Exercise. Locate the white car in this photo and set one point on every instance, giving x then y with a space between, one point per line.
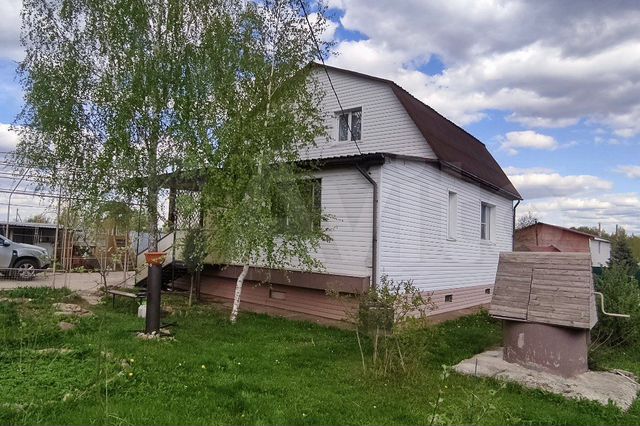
20 260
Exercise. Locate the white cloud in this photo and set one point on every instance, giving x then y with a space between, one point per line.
632 172
534 184
608 210
10 30
337 4
330 27
513 141
511 170
8 138
548 63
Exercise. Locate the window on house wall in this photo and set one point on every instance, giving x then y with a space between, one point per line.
487 220
452 216
309 213
311 191
350 120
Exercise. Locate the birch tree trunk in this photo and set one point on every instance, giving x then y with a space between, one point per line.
245 268
236 296
152 194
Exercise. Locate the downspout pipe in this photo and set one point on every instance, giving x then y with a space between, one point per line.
513 230
374 228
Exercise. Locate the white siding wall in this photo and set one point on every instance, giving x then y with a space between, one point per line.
413 240
346 195
600 252
386 127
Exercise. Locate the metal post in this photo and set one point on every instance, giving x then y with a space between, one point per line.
9 203
154 284
55 244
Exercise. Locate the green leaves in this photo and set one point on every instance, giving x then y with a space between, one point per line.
258 208
120 92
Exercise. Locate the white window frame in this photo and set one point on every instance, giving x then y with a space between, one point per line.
349 114
487 228
452 216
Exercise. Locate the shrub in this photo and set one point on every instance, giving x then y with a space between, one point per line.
388 315
621 295
194 253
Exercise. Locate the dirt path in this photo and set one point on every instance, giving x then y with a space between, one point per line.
87 284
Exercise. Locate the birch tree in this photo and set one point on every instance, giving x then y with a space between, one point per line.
261 205
119 92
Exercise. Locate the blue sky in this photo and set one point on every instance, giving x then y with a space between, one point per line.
552 88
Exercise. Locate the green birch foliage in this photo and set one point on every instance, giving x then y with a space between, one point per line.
258 202
118 92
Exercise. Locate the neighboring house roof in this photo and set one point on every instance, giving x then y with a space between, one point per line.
584 234
30 225
454 147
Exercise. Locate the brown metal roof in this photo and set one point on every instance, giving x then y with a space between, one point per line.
547 288
454 147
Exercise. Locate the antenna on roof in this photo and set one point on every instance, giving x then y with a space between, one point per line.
317 45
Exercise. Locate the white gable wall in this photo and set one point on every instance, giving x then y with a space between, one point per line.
386 127
600 252
413 241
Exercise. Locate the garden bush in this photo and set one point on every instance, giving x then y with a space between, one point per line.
621 295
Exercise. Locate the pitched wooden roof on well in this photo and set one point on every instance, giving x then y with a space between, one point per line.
549 288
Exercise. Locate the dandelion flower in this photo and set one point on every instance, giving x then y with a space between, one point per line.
131 360
130 374
203 366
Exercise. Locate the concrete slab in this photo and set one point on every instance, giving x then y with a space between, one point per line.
600 386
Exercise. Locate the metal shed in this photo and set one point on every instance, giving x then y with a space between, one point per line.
548 306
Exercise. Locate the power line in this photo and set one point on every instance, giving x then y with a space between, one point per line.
34 206
317 45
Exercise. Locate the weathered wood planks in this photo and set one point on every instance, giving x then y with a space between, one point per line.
545 287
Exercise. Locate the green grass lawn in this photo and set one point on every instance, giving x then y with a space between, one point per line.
262 370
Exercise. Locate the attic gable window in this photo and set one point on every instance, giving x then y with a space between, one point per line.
350 120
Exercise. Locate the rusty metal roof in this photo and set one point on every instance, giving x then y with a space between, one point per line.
562 228
547 288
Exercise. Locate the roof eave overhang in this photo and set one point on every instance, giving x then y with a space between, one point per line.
470 176
367 160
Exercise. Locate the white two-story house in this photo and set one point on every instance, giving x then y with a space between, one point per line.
412 196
